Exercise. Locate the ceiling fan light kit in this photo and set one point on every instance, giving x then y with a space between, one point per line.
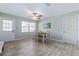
36 16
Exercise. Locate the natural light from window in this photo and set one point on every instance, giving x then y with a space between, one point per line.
7 25
24 26
31 27
27 26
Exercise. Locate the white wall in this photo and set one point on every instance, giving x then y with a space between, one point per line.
7 36
64 27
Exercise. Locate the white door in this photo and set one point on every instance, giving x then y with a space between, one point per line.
78 29
7 30
69 29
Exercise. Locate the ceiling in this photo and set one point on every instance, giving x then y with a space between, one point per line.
47 10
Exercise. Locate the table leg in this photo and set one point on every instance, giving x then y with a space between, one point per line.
43 39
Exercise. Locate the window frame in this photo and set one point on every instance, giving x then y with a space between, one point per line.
24 26
7 25
31 27
28 27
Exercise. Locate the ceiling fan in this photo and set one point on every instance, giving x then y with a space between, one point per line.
37 16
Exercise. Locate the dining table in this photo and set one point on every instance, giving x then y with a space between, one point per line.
42 36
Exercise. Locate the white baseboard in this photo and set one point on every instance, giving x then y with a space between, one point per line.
64 41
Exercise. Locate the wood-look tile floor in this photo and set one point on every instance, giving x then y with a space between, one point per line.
30 47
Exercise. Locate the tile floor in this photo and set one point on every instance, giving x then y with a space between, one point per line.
30 47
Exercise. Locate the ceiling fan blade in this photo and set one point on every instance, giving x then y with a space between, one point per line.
40 15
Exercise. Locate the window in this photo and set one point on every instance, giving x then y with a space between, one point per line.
7 25
27 27
31 27
24 26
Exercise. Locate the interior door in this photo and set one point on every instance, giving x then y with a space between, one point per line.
7 35
78 29
69 29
